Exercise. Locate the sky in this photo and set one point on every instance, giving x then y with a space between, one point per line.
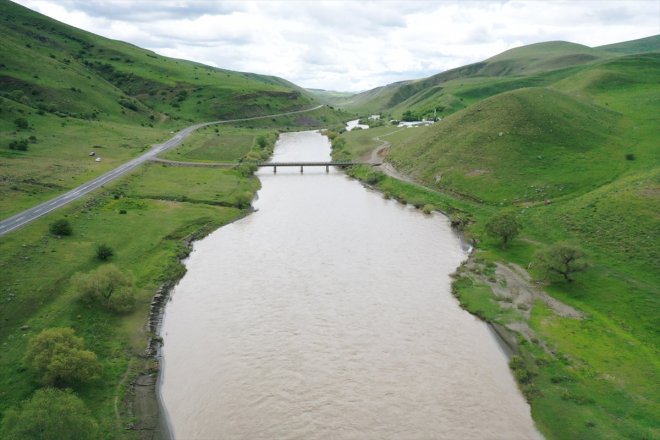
351 45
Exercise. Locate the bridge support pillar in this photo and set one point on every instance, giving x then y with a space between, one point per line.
301 169
327 168
274 170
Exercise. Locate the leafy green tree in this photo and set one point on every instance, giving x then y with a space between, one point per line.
107 286
561 259
58 357
503 225
50 414
104 252
60 227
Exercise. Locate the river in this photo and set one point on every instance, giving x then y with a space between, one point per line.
327 314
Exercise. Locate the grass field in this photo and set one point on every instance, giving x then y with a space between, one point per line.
37 293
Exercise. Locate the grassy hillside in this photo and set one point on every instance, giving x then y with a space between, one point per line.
576 160
534 65
78 92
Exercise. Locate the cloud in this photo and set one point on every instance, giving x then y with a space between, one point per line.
351 45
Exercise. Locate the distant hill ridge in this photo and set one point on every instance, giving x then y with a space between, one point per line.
534 64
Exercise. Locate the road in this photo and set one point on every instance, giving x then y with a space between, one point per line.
29 215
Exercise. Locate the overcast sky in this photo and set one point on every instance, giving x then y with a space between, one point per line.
351 45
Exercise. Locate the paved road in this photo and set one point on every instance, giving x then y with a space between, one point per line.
23 218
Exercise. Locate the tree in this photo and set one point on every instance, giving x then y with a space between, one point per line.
60 227
104 252
107 286
503 225
561 259
50 414
58 357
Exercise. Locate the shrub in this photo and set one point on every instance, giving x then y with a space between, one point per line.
374 177
50 414
108 287
243 200
58 358
60 227
246 169
104 252
19 144
427 209
21 123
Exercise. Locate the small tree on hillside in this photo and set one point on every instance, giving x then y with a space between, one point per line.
60 227
104 252
561 259
57 356
108 287
503 225
50 414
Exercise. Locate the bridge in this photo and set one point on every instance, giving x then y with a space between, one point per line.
327 165
301 164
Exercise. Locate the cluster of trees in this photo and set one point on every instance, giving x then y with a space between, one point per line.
559 261
58 359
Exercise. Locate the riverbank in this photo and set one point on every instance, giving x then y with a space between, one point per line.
148 410
566 366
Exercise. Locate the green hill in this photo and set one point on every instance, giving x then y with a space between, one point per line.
573 152
78 92
533 65
63 70
523 146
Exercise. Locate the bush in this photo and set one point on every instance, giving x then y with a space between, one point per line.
104 252
243 200
107 286
58 358
21 123
60 228
374 177
50 414
19 144
246 169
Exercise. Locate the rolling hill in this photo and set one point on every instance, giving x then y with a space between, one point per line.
533 65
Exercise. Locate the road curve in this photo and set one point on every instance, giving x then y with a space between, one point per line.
29 215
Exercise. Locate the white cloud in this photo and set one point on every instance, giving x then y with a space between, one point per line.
351 45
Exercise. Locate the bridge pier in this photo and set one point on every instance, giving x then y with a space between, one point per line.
327 169
274 170
301 169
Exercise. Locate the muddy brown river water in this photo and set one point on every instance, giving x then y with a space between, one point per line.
327 314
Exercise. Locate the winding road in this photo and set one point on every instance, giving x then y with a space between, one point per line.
29 215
